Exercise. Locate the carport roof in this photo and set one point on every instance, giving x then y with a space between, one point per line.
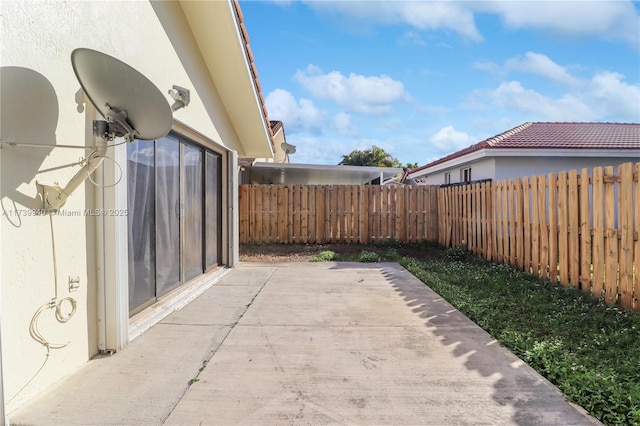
317 174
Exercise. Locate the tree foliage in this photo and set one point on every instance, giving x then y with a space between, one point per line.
375 156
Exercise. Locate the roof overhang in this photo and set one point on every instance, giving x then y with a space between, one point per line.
216 30
520 152
316 174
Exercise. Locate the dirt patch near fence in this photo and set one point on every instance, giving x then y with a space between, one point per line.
269 253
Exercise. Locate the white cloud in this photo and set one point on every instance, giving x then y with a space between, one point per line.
611 20
358 93
613 97
537 63
604 96
512 95
422 15
296 115
342 123
316 149
448 139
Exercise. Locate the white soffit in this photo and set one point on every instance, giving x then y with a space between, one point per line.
215 28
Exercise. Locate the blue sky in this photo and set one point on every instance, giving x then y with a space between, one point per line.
422 79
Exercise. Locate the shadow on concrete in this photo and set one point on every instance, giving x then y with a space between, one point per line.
517 384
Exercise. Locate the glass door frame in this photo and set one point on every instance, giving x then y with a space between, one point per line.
221 193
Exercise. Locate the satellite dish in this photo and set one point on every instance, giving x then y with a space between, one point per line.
288 148
132 106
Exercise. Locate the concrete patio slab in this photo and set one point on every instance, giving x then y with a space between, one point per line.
310 343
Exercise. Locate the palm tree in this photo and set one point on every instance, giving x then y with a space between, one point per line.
375 156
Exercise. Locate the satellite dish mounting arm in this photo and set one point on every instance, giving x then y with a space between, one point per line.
54 197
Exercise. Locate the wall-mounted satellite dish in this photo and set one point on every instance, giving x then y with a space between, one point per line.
133 107
288 148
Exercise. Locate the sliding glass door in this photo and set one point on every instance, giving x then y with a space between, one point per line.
213 216
175 216
141 222
168 212
193 211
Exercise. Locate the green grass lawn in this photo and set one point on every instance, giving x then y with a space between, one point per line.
589 350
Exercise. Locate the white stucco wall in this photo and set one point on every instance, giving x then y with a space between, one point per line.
507 167
480 169
517 167
40 105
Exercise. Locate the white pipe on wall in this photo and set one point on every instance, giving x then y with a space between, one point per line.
100 261
2 414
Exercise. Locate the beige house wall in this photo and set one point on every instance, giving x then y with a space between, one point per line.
42 104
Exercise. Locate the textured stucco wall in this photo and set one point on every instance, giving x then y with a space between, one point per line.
498 168
480 169
515 167
40 104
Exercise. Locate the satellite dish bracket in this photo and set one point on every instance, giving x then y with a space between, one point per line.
116 125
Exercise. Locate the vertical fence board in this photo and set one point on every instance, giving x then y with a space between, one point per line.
553 227
585 233
258 209
535 227
469 215
431 210
625 223
573 222
519 225
362 215
478 217
448 229
511 193
611 242
319 218
544 229
455 217
243 203
424 207
413 214
563 230
373 214
505 222
489 187
636 264
598 232
304 214
527 224
273 214
348 217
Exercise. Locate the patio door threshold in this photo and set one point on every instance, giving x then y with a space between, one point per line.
173 301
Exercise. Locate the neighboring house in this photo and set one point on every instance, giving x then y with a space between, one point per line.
279 170
318 174
161 221
535 149
282 149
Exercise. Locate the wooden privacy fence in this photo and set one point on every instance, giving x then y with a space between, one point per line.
580 229
337 213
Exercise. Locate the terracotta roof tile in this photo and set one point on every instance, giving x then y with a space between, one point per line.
275 126
252 66
556 136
